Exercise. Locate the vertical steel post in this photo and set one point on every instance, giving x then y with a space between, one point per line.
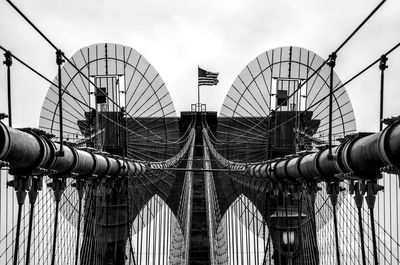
8 63
382 67
60 61
331 64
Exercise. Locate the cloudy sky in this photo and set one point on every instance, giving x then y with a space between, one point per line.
221 36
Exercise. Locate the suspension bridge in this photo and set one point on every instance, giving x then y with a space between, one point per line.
112 175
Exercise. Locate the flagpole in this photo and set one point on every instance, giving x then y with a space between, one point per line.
198 95
198 90
207 79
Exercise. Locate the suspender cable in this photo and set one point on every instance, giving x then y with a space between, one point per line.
333 191
285 202
80 189
336 234
279 241
265 253
375 248
33 193
148 215
372 191
358 198
53 256
109 254
360 224
8 63
128 226
382 67
19 183
28 250
256 234
16 248
58 187
264 223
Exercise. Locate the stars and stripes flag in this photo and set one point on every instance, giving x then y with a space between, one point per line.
207 78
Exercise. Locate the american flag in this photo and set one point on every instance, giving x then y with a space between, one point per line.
207 78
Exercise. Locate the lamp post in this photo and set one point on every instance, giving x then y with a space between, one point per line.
286 235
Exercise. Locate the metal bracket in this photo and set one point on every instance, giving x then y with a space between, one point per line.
38 132
391 120
332 60
359 191
35 184
74 175
296 191
346 176
21 185
383 63
304 152
3 116
80 185
4 164
8 58
312 190
58 185
372 189
391 170
90 150
333 189
43 172
59 57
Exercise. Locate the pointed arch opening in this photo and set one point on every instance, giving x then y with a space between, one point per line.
156 236
247 237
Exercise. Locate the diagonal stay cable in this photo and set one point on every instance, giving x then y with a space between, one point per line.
337 50
180 140
395 47
329 58
72 64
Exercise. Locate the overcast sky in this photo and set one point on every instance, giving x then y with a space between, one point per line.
221 36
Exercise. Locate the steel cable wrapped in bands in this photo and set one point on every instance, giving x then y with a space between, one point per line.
21 149
389 145
25 151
